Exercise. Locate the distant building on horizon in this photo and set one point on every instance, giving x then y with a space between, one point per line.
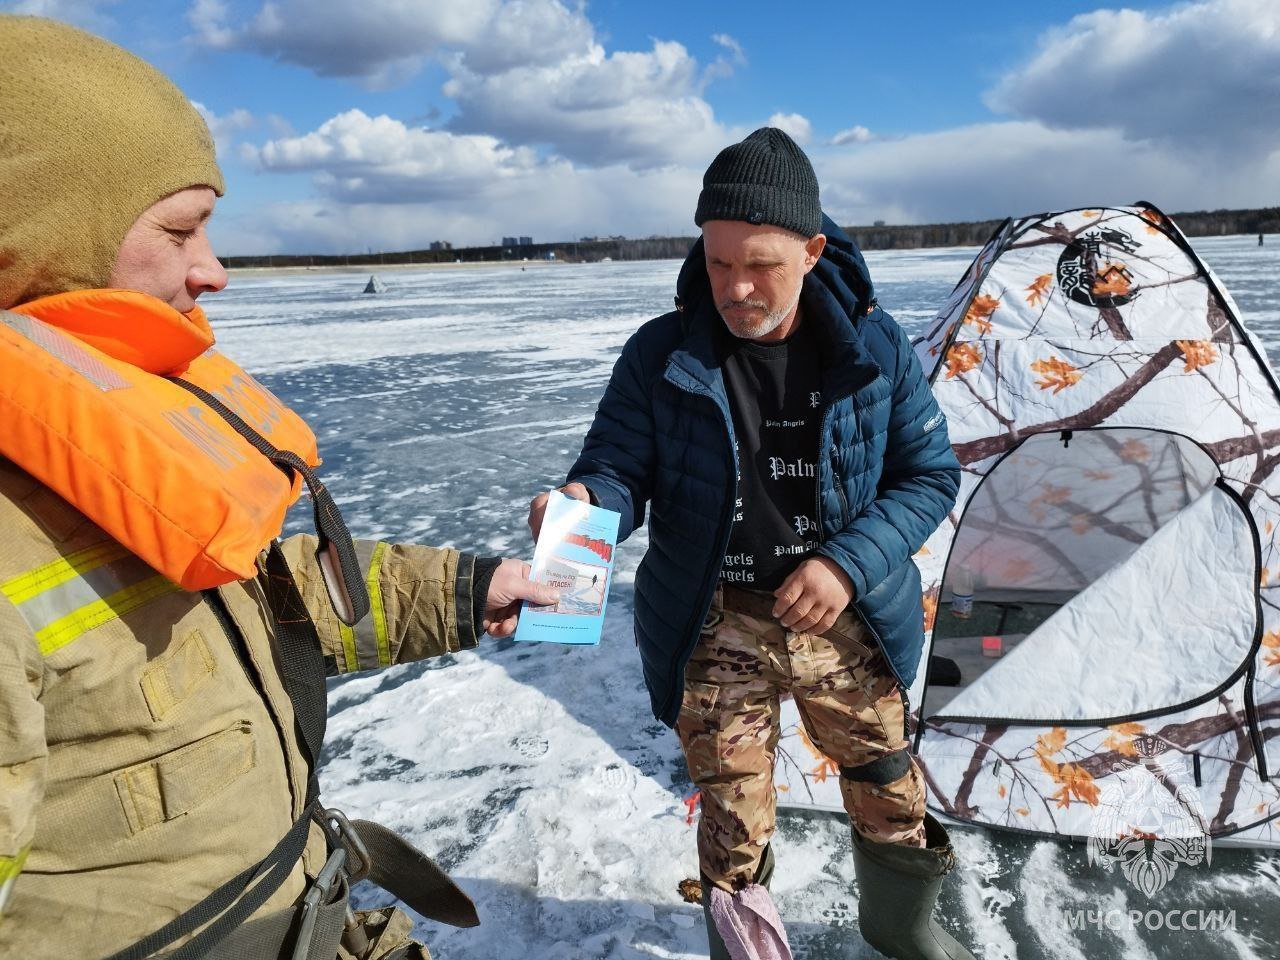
438 245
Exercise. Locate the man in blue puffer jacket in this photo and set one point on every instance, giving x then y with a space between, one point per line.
794 458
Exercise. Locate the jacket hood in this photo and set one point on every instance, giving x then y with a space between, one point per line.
841 270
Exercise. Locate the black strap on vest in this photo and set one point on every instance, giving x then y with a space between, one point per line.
301 661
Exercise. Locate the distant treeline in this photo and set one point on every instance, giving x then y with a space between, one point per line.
1197 224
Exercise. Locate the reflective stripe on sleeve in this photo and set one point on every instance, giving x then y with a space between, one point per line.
63 600
377 613
369 636
103 610
10 867
348 648
26 585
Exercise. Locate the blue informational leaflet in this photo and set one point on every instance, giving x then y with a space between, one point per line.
574 554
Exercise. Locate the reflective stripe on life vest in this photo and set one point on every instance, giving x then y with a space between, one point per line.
63 600
64 348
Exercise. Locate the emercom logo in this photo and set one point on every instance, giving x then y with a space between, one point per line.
1149 819
1150 920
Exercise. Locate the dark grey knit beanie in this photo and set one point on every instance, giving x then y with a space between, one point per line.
764 179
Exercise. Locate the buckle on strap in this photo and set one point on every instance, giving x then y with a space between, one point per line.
342 836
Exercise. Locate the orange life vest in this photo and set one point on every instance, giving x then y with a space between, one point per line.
86 409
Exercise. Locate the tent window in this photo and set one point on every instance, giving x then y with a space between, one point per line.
1071 548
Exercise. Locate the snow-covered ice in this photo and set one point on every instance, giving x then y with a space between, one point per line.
536 773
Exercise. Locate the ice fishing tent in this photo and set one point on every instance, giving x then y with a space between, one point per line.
1119 432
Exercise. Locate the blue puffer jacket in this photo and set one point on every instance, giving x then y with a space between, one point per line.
663 434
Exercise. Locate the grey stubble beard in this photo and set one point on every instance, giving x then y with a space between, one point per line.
767 324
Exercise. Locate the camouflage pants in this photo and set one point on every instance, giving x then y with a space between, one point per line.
851 708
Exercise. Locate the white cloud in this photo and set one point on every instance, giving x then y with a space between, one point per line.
733 46
225 127
529 72
854 134
733 59
553 201
727 63
796 126
528 33
384 183
1200 75
384 43
642 109
1179 106
208 18
356 158
379 42
1015 167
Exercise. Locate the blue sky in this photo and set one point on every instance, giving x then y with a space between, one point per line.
385 124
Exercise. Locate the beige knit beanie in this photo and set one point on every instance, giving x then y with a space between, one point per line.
90 137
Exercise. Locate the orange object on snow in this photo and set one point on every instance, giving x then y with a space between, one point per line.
88 411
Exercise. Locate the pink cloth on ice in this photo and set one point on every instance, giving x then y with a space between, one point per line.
749 924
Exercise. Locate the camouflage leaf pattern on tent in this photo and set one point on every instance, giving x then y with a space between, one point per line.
1119 431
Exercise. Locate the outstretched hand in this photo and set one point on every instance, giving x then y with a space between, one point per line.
538 507
816 593
510 585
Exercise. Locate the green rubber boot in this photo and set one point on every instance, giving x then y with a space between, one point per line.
764 875
897 888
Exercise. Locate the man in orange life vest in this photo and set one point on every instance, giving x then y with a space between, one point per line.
159 650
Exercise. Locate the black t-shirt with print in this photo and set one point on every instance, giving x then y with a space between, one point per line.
775 399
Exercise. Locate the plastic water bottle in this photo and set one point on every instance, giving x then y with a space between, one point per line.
962 593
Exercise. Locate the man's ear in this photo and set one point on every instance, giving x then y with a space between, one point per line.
813 248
